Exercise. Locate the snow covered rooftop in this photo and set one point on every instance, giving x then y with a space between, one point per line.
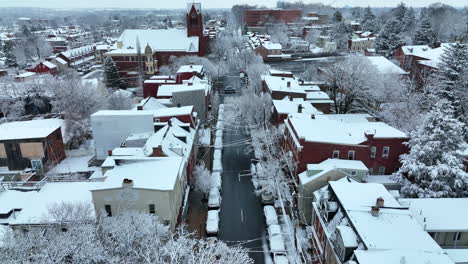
152 173
49 65
29 129
169 89
282 84
150 103
158 40
441 214
287 106
431 57
398 256
333 131
315 171
394 228
190 68
35 205
385 66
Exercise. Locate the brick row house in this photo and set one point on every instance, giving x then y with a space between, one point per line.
313 139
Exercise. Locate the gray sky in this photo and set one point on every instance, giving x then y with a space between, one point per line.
207 3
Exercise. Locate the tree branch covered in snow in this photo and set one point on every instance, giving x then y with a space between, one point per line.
201 180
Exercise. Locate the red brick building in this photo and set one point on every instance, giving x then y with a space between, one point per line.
44 68
260 17
158 46
352 137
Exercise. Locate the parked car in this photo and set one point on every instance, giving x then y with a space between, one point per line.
280 259
271 217
276 240
267 198
212 223
229 90
214 199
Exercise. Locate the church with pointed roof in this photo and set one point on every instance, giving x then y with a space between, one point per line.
146 50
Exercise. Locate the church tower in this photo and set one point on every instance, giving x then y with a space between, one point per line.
194 20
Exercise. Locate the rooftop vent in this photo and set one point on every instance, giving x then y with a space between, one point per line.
380 202
127 183
375 210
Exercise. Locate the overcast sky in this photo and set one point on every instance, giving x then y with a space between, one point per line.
206 3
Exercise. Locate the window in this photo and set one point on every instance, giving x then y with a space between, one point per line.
385 152
371 171
373 152
336 154
152 209
108 210
381 170
351 155
166 221
353 173
456 236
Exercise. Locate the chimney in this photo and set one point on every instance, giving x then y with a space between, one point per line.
299 108
375 210
290 98
140 107
282 78
380 202
109 152
127 183
312 116
169 122
191 66
178 105
302 81
289 84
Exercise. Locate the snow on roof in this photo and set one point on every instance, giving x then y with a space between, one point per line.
415 49
78 52
73 164
29 129
169 89
393 228
161 112
385 66
458 255
60 60
348 236
159 173
196 5
439 214
158 40
173 140
173 111
316 96
277 72
431 56
332 131
25 74
280 84
287 106
34 205
150 103
190 68
314 171
272 46
49 65
401 256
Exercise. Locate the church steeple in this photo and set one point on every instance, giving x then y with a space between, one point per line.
194 20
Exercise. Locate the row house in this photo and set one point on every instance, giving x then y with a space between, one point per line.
261 17
313 139
111 127
78 56
44 67
442 220
419 60
155 167
362 223
282 109
36 144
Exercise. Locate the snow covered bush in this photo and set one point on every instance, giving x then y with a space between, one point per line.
201 179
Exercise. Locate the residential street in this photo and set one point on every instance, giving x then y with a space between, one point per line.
241 217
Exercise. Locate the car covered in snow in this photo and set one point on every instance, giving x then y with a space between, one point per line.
214 199
212 223
280 259
271 217
275 238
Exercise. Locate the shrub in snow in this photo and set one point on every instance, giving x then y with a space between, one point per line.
201 179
